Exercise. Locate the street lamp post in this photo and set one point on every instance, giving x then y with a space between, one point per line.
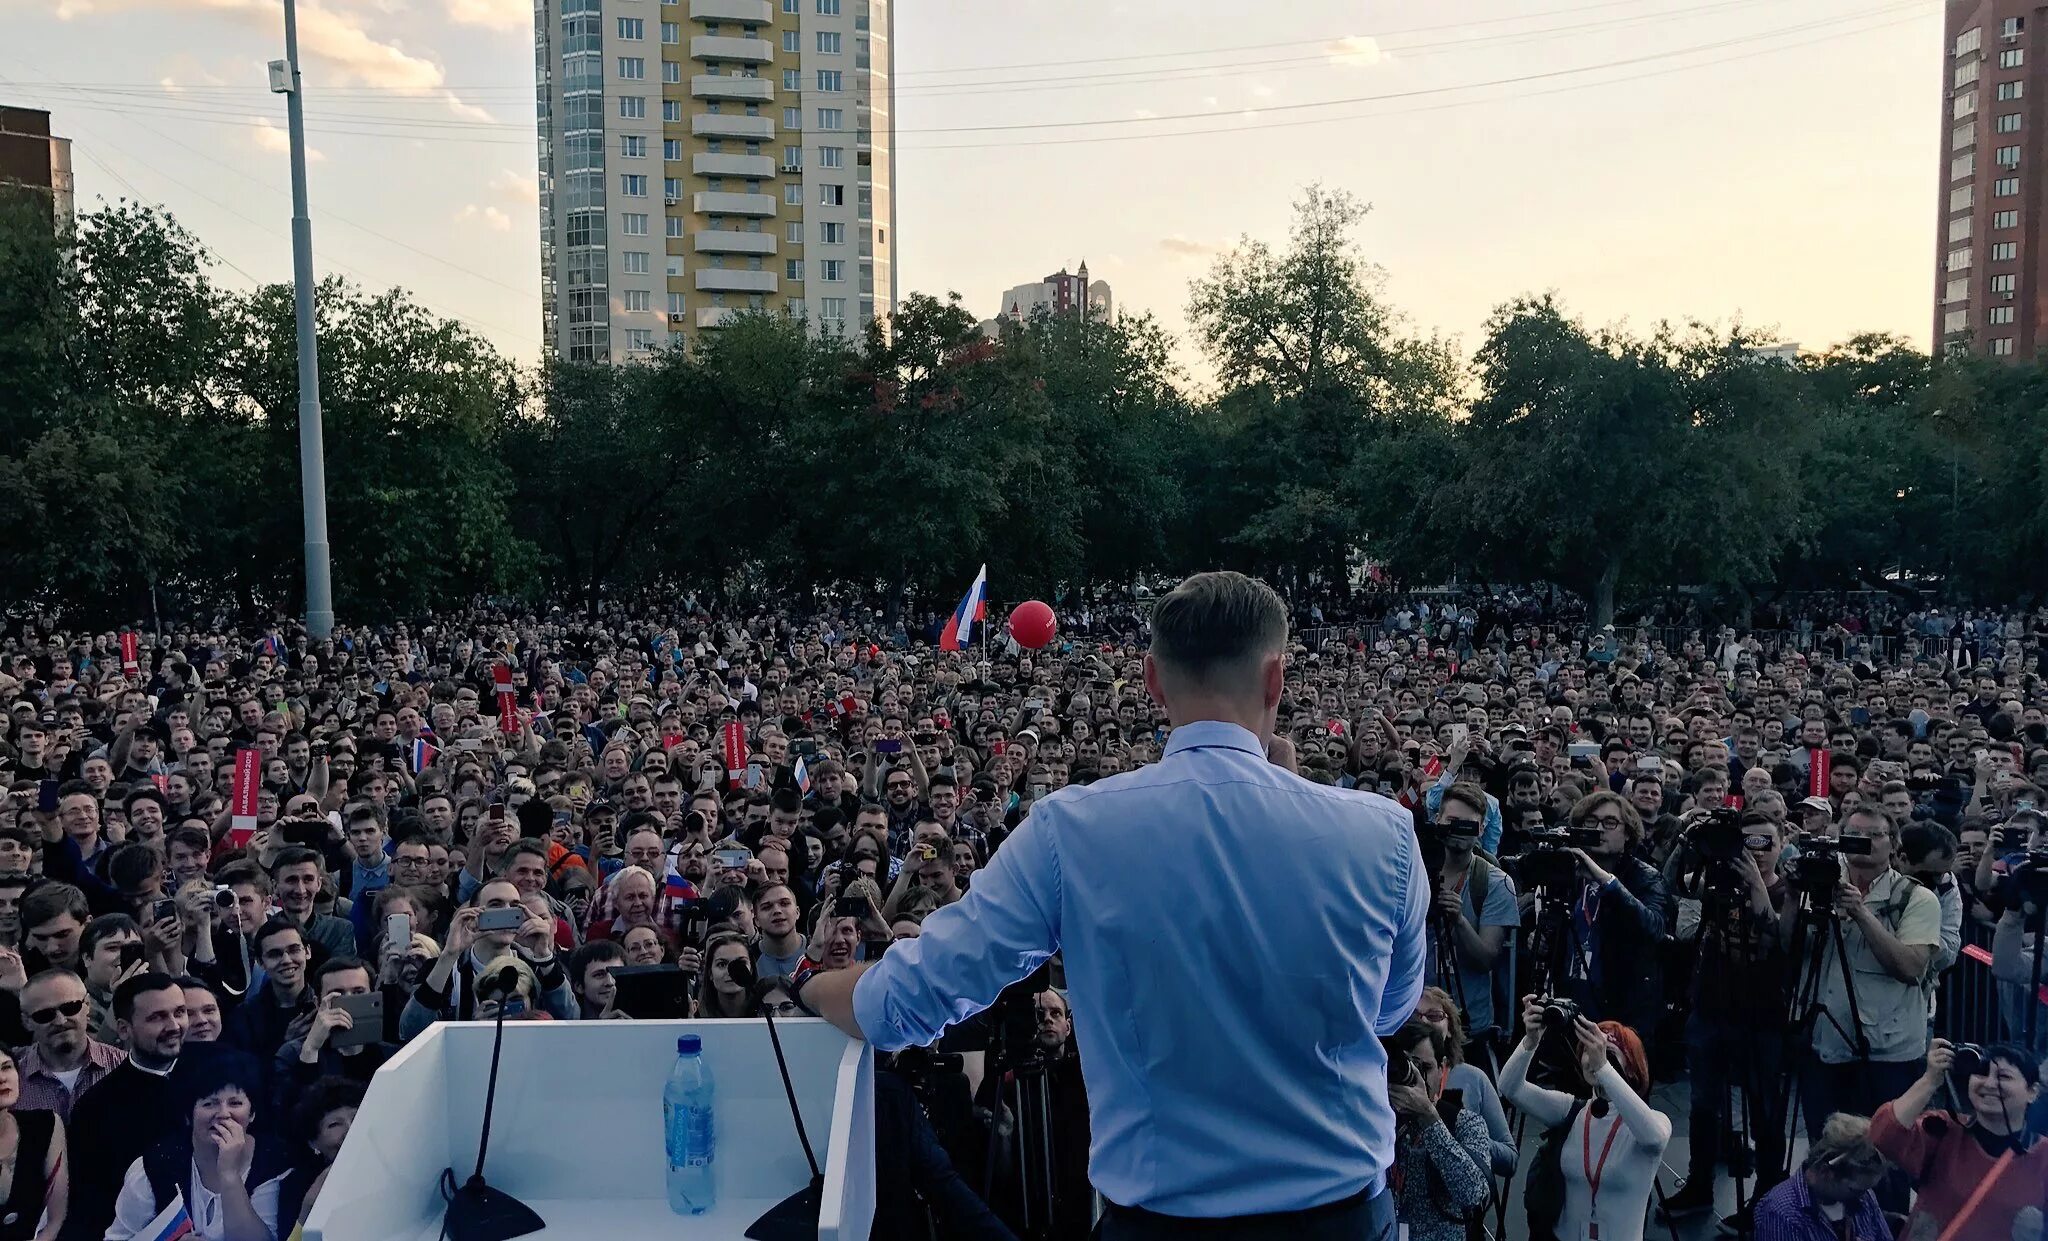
284 80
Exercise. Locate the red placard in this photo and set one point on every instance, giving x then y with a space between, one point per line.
242 801
131 659
1820 764
735 754
508 703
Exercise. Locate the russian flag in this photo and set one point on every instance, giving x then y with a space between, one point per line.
173 1224
959 631
423 753
803 776
681 889
275 646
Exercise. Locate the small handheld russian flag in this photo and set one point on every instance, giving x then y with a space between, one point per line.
174 1223
423 754
959 631
803 776
681 889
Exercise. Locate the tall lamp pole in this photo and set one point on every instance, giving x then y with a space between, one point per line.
284 80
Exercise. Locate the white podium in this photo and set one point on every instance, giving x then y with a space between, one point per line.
577 1132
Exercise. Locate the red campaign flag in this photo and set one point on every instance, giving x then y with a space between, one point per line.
670 741
1434 767
242 801
131 660
508 708
1820 764
735 753
163 783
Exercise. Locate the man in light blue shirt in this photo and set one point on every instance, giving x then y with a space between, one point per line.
1234 939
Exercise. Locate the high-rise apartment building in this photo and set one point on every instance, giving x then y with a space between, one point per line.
699 158
35 162
1060 293
1991 281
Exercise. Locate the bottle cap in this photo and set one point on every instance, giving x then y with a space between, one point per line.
689 1045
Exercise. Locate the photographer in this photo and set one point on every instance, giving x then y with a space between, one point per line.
1472 912
1735 1035
2012 878
1890 929
1443 1157
1619 916
1976 1175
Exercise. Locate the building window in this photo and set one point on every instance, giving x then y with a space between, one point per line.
633 184
1962 166
792 118
2004 251
792 79
835 269
633 262
1966 104
639 301
671 32
829 80
831 157
1959 228
2012 58
633 107
2011 90
671 148
672 111
2001 347
632 68
832 234
675 304
2001 315
1970 40
2007 283
639 340
792 159
1962 197
675 225
792 6
828 8
831 118
832 195
832 310
1959 260
672 188
793 194
2009 123
1957 291
828 42
671 72
793 269
633 29
2005 187
1966 73
2009 157
633 224
1964 135
2010 28
792 42
1955 321
633 146
675 266
2005 219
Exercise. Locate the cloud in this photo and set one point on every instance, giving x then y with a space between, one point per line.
492 14
270 136
490 217
1358 50
521 186
1187 247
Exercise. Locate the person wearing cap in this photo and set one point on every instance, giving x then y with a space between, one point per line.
1310 1130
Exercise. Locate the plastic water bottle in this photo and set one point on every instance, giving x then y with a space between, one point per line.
687 1124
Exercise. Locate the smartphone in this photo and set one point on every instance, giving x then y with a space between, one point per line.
888 746
398 929
366 1024
1458 734
165 908
997 747
1650 762
497 812
652 992
696 923
731 859
306 833
856 907
1582 753
131 954
46 797
469 743
510 918
564 817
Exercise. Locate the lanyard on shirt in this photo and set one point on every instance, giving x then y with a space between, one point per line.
1976 1199
1595 1171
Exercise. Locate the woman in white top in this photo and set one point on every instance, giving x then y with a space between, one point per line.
223 1177
1615 1143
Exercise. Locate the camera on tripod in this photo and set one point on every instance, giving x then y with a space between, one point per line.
1719 837
1820 863
1546 860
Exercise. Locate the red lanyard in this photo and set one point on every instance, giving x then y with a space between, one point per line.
1595 1171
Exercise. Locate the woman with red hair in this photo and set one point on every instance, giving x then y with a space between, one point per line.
1608 1148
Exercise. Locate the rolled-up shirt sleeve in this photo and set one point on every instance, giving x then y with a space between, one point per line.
1405 970
1003 928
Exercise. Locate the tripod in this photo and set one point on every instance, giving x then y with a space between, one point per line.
1729 1053
1814 931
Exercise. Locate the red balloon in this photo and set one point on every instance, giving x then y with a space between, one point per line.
1032 624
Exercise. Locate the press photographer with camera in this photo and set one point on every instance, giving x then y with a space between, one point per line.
1442 1155
1619 915
2012 878
1869 1042
1472 913
1978 1175
1735 1033
1572 1192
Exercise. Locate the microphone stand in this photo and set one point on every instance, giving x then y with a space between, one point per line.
476 1212
795 1217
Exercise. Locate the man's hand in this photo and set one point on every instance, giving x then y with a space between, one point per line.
1590 868
328 1018
1849 901
13 974
1450 904
461 934
1941 1056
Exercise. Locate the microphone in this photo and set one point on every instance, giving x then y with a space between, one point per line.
476 1212
797 1215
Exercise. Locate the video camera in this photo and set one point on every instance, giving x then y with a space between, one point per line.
1820 863
1719 837
1546 860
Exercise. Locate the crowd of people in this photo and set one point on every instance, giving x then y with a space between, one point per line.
1747 867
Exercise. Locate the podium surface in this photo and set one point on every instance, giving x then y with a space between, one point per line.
577 1132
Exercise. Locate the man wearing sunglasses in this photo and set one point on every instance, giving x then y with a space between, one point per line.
132 1107
62 1059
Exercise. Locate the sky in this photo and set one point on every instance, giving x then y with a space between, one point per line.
1769 162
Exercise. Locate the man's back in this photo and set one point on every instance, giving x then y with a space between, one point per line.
1234 936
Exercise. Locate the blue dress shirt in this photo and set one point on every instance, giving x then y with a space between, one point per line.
1234 938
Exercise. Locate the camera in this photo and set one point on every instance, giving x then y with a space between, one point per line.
1969 1060
1545 860
1559 1014
1719 837
1819 867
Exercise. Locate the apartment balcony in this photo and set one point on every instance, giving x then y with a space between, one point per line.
726 241
736 280
724 125
713 202
725 47
708 164
758 12
715 316
721 86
